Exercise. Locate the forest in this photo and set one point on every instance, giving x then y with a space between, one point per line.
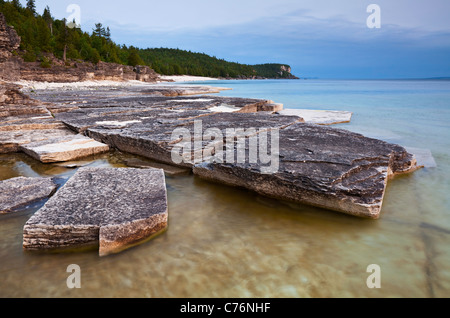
43 34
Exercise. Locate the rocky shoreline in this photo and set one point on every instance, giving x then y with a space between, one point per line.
248 143
316 164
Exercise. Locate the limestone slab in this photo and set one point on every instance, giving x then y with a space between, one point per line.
21 191
112 208
62 149
321 166
10 141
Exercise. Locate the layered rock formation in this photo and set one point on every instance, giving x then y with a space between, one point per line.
112 208
18 192
84 71
9 40
313 164
9 43
27 125
316 165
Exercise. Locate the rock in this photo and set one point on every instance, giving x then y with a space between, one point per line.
19 192
66 148
324 167
173 91
169 170
112 208
321 166
146 74
10 94
319 117
9 40
10 141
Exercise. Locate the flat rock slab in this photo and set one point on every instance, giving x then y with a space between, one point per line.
319 117
19 192
321 166
62 149
10 141
112 208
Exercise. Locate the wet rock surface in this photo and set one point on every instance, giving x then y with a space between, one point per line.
16 193
112 208
329 168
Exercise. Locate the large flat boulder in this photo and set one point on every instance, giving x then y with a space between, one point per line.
112 208
10 141
320 166
19 192
66 148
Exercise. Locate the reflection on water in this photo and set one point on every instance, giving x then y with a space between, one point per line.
227 242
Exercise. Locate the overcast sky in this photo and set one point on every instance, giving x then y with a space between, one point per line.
318 38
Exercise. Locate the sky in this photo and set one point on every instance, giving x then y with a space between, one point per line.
318 38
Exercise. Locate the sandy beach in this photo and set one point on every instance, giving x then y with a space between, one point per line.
187 78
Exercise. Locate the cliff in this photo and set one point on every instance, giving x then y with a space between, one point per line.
14 68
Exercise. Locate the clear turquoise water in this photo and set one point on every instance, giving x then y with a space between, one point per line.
227 242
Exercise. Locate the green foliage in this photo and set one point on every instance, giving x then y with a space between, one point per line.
45 34
45 63
29 56
273 70
134 59
31 6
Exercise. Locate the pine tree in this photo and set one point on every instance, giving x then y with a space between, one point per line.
108 34
48 19
17 4
99 30
134 59
31 6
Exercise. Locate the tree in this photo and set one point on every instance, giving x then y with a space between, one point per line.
31 6
99 30
134 59
48 19
17 4
94 56
108 34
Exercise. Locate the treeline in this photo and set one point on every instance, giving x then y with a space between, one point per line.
180 62
42 34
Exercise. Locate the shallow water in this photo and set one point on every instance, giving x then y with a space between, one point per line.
228 242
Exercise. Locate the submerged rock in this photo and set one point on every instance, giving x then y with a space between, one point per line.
19 192
112 208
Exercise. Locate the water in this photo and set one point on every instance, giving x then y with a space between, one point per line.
227 242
